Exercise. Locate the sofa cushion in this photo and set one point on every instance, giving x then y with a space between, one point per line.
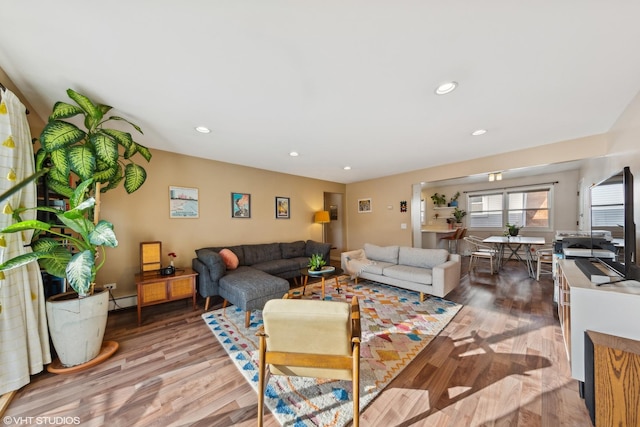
229 258
254 254
373 267
425 258
381 253
293 249
313 247
277 266
410 274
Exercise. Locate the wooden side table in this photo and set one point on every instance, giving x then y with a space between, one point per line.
156 289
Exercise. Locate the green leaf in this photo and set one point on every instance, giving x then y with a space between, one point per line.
57 186
113 183
106 147
103 235
86 104
105 175
104 108
79 271
61 162
62 110
57 134
135 126
83 161
79 193
75 221
55 261
41 156
32 224
19 261
122 138
134 177
45 245
144 151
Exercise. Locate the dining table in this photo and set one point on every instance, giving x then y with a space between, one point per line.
514 244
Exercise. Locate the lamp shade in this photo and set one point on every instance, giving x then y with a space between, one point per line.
321 217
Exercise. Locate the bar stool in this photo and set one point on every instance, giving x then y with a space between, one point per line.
453 238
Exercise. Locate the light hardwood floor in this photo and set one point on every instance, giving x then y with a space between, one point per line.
501 361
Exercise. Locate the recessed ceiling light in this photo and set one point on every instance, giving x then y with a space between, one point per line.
446 87
347 168
203 129
479 132
294 154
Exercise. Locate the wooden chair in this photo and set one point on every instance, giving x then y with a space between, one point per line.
480 250
544 255
310 338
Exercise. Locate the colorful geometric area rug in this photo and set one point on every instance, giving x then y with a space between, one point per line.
396 326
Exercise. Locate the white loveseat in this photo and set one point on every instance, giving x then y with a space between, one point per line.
428 271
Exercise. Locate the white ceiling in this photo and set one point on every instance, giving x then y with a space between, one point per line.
341 82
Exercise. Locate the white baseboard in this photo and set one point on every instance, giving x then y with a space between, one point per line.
123 302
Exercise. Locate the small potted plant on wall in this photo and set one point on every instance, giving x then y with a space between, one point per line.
439 199
453 202
80 164
458 214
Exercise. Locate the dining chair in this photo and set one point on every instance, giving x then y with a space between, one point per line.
544 256
310 338
480 250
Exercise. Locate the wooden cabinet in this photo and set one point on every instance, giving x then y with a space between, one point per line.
613 396
156 289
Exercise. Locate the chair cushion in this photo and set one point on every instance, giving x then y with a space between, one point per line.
290 323
229 258
382 253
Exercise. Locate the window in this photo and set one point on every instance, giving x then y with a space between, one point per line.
607 205
525 206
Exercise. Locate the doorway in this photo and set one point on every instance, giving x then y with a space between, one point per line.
334 230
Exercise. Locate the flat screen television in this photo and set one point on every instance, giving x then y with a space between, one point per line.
612 210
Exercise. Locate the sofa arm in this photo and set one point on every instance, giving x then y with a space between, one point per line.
446 277
345 257
210 270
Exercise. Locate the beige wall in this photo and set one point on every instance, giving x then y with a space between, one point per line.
624 151
144 215
383 227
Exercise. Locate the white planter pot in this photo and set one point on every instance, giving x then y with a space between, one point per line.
77 325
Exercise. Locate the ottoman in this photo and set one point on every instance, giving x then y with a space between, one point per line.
249 289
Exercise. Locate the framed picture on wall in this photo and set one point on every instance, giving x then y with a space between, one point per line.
282 208
183 202
364 205
240 205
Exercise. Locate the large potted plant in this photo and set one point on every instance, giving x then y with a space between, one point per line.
77 256
79 164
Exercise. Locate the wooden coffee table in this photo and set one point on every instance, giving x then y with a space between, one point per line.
329 274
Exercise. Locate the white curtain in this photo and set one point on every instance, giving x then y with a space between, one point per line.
24 339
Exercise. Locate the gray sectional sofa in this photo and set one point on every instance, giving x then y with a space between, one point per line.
428 271
261 275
